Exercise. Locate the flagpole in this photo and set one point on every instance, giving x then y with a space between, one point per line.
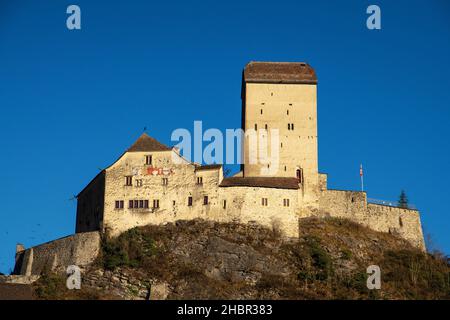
361 174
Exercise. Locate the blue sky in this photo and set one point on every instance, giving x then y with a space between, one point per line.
72 101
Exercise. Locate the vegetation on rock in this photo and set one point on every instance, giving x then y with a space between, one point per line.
209 260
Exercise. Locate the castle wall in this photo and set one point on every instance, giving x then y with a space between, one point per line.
279 106
79 249
353 205
244 205
182 183
90 205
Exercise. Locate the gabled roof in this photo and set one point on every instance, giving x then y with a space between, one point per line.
279 72
262 182
147 144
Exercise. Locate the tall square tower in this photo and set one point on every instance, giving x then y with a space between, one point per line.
279 101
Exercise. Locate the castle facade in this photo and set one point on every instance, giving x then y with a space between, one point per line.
153 184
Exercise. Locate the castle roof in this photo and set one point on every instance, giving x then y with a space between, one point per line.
279 72
147 143
263 182
208 167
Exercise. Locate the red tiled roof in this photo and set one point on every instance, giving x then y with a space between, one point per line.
279 72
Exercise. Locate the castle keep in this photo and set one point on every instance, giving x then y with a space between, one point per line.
153 184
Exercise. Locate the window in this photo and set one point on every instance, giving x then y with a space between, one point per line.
119 204
173 202
129 180
289 126
138 182
264 202
285 168
256 127
261 111
138 204
148 160
292 126
299 175
287 112
190 201
199 180
224 204
205 200
290 104
165 181
286 202
281 145
265 127
155 203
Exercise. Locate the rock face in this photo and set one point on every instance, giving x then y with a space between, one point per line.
206 260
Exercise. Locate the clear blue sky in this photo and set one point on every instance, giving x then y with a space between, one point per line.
72 101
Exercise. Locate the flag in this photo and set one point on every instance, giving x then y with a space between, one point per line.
361 171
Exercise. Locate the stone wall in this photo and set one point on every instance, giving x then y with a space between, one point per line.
172 196
90 205
80 249
278 106
353 205
244 205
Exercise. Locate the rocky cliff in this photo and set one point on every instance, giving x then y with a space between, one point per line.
207 260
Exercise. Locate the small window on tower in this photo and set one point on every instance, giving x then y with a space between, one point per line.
155 203
261 111
148 160
190 201
289 126
199 180
138 182
256 127
265 127
287 112
165 181
205 200
224 204
129 180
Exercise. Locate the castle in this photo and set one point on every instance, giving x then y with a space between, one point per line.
153 184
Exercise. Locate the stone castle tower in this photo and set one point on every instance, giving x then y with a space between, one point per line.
279 102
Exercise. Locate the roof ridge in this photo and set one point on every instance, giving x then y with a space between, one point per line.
147 143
